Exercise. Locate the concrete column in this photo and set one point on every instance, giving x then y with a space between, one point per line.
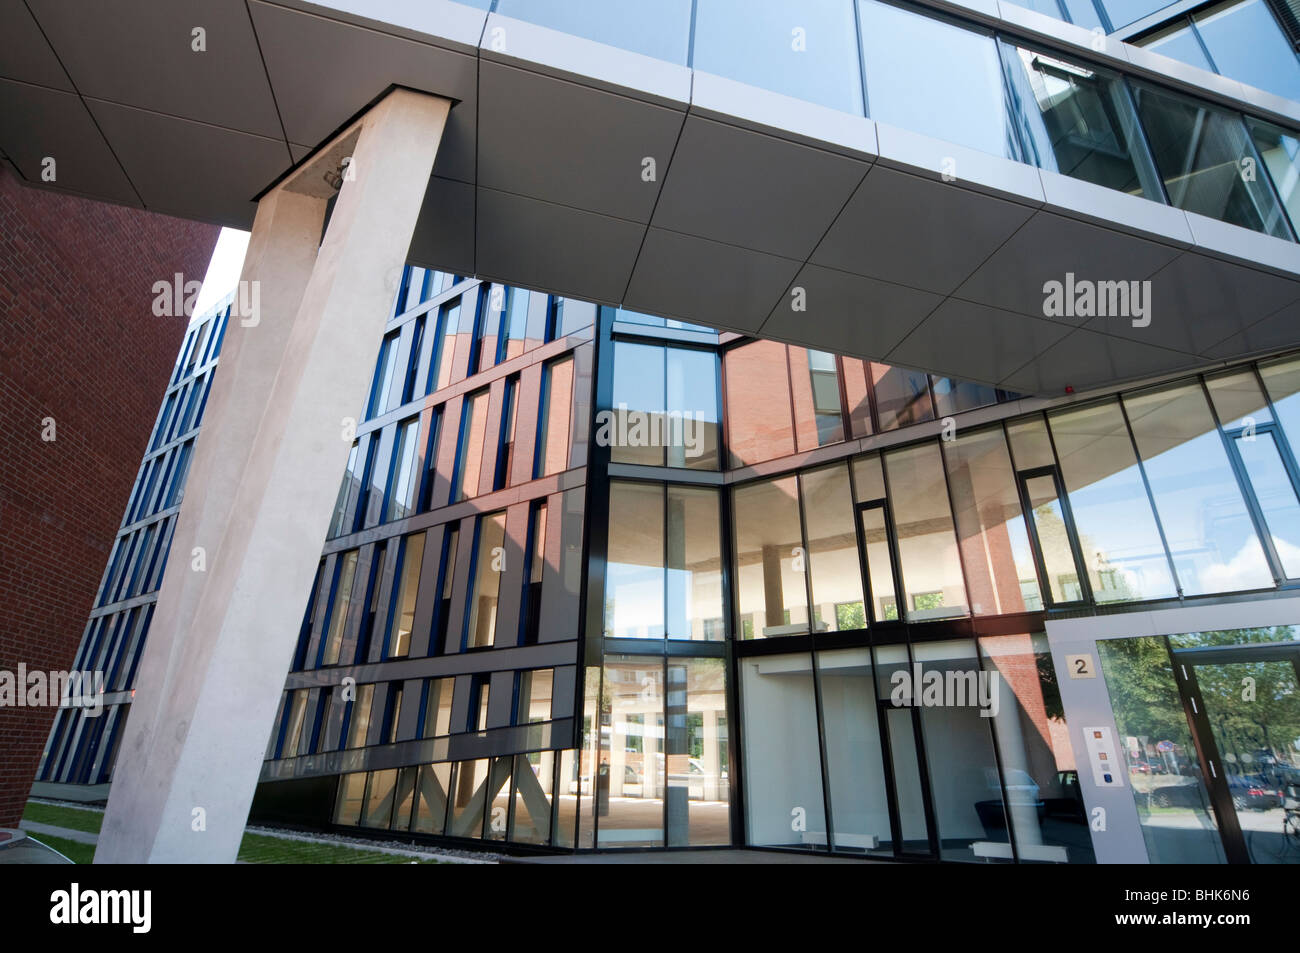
266 473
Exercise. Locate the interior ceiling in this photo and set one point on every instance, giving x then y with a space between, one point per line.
539 182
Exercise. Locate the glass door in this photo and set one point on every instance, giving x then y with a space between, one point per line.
876 541
907 780
1051 537
1244 703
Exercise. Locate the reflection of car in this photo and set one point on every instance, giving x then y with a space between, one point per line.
1251 793
1020 787
1136 766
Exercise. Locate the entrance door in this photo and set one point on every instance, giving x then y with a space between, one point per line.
1243 703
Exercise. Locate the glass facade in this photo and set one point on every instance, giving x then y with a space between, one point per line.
814 620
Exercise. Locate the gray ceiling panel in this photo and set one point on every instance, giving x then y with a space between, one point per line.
976 343
917 232
444 233
561 142
694 279
745 188
36 122
864 317
1048 248
141 52
1279 330
24 52
165 156
554 248
1196 301
324 71
1084 359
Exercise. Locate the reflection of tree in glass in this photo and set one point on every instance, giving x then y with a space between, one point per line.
1055 541
1142 689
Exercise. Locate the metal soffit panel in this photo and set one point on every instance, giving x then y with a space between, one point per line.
754 200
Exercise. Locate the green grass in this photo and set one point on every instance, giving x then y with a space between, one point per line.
70 817
75 851
255 848
262 849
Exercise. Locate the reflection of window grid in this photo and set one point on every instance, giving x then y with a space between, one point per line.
1029 593
825 382
888 608
1071 591
922 601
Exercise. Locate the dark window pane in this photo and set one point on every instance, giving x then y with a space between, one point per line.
1079 121
1199 151
902 396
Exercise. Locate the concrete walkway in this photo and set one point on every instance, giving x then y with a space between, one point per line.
67 833
720 856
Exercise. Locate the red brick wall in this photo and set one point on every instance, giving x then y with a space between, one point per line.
79 343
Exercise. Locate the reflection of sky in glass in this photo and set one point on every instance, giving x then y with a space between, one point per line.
956 95
1247 45
1179 43
660 29
1117 532
807 50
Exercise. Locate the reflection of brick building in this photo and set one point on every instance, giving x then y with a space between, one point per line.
84 361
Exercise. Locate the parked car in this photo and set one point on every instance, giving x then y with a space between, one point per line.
1252 793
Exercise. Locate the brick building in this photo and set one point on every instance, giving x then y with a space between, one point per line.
83 365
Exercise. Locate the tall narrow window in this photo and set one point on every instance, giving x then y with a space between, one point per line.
770 559
553 436
634 573
385 372
490 555
437 707
340 609
694 595
403 609
340 523
533 696
827 413
509 421
445 590
377 560
443 349
990 525
359 717
469 455
531 616
832 550
404 475
927 545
